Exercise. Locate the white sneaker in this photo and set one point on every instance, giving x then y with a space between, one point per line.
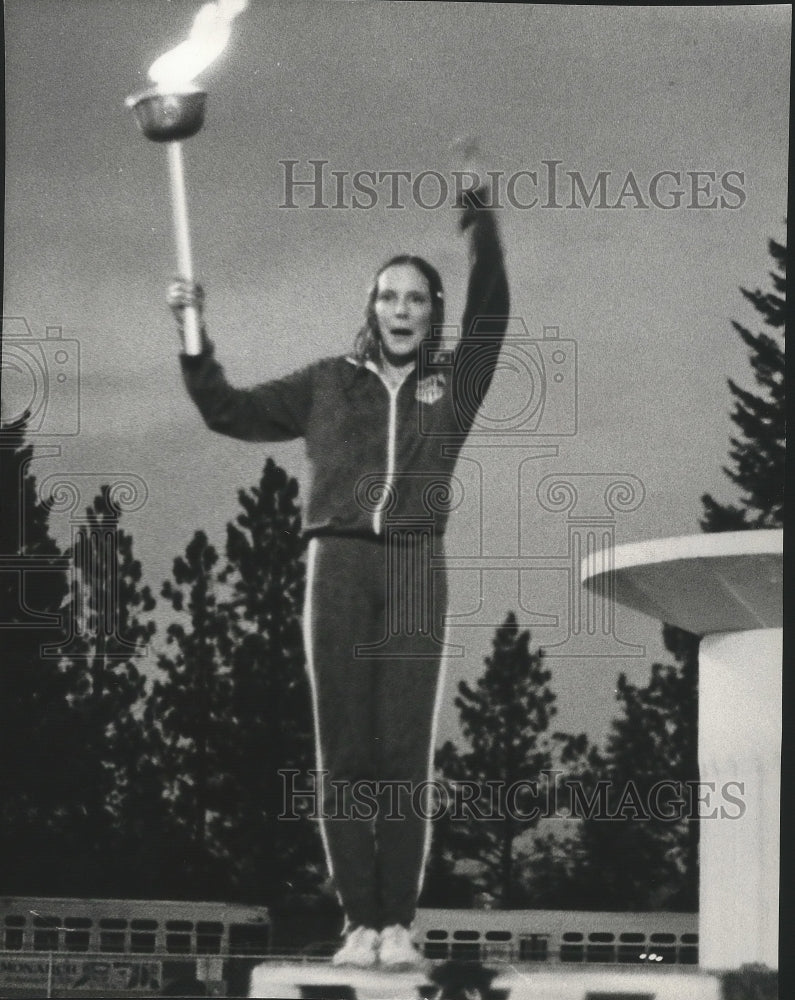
396 949
360 949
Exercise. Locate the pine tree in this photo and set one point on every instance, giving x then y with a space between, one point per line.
653 864
231 709
757 453
639 851
188 715
272 858
505 720
35 783
110 633
632 841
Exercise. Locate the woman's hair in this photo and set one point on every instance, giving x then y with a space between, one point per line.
366 346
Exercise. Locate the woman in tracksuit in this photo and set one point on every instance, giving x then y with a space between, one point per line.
383 427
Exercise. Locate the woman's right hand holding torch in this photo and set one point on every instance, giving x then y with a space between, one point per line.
183 295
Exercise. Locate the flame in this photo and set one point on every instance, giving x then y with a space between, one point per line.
175 70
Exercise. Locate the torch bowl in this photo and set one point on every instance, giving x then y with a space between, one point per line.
169 117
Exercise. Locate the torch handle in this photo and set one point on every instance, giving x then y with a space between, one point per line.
179 205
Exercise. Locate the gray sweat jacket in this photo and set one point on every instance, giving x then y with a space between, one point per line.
377 456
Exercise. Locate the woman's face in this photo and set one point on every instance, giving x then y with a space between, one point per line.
403 310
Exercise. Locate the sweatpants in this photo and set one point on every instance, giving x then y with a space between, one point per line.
374 633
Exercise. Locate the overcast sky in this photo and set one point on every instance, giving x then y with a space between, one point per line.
646 292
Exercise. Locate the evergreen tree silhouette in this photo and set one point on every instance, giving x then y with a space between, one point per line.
35 750
189 721
272 859
111 630
505 720
757 453
231 708
639 848
653 864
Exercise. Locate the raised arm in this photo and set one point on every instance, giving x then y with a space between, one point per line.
487 306
272 411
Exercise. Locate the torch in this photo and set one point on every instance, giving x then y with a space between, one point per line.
173 110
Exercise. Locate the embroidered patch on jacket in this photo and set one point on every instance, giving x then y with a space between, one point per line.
430 389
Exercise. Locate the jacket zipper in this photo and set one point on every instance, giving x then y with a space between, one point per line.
390 459
391 447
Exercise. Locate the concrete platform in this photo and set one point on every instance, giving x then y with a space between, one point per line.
320 981
728 581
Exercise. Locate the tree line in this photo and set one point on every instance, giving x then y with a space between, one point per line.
117 780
